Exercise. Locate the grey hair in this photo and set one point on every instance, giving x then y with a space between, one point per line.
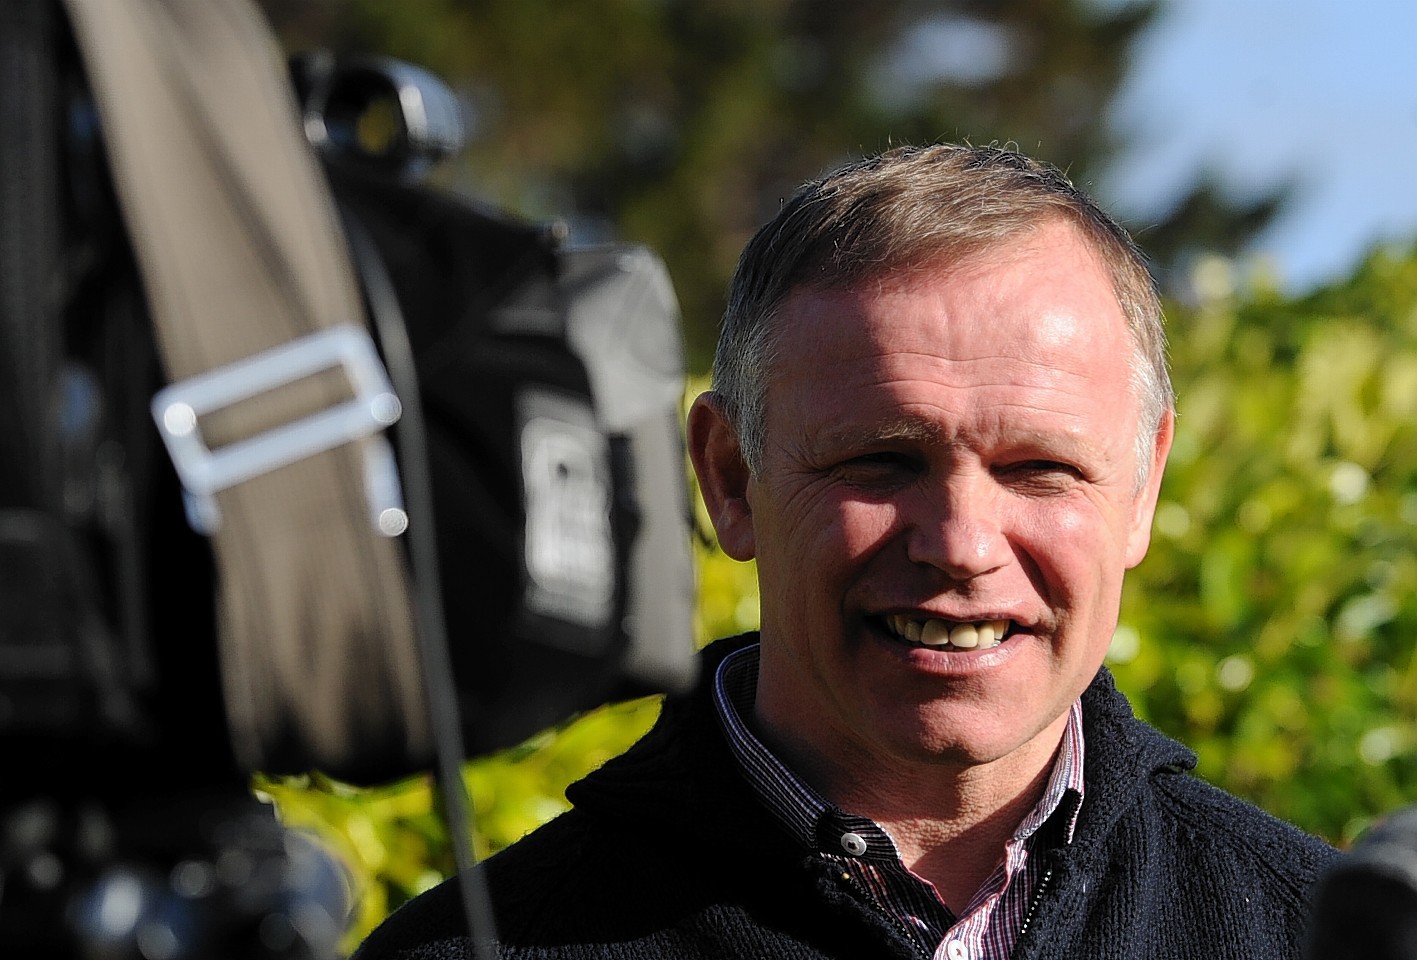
902 209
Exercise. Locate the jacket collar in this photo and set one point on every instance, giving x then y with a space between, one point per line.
681 775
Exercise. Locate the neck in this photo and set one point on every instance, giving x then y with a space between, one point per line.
960 841
950 820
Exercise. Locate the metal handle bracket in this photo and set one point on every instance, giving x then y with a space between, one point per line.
204 472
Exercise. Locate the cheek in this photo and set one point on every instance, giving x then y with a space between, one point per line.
1076 552
818 531
1051 525
1082 524
859 530
810 561
828 543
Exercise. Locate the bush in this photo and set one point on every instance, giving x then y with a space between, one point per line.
1270 626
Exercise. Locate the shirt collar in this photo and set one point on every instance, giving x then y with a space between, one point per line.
800 809
795 804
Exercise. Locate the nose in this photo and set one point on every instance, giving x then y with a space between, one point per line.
958 529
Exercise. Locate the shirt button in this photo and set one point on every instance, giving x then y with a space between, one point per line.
853 844
957 951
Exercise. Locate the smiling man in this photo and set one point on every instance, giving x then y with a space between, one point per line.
939 421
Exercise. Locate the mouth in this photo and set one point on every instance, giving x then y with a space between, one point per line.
948 635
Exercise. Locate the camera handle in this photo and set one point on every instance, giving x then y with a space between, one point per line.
237 239
241 254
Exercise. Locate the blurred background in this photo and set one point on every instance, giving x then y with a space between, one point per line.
1259 151
1275 129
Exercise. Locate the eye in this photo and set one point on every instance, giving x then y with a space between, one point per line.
1045 466
879 468
1043 476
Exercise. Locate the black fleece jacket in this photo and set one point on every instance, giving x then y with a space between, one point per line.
668 854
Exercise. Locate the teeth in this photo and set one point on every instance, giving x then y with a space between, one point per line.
962 636
935 633
965 635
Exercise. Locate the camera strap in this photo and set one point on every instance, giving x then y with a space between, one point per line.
277 395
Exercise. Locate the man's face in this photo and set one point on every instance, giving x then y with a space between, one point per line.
947 449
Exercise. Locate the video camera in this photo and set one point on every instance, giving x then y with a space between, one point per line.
1365 902
242 527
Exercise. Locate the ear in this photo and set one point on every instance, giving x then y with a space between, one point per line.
723 475
1144 510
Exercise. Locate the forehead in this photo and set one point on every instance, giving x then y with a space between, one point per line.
1044 288
1033 321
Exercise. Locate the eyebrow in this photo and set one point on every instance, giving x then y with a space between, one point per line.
911 430
906 428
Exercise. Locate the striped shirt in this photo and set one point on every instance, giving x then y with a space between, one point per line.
988 926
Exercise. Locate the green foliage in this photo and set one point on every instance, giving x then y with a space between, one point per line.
1271 625
392 839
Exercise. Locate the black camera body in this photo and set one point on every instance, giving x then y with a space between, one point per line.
545 380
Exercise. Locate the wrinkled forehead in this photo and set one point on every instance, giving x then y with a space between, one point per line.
1040 312
961 261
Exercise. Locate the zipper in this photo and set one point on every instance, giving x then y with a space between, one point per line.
1043 883
865 899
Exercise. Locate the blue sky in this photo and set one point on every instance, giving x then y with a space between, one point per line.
1323 92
